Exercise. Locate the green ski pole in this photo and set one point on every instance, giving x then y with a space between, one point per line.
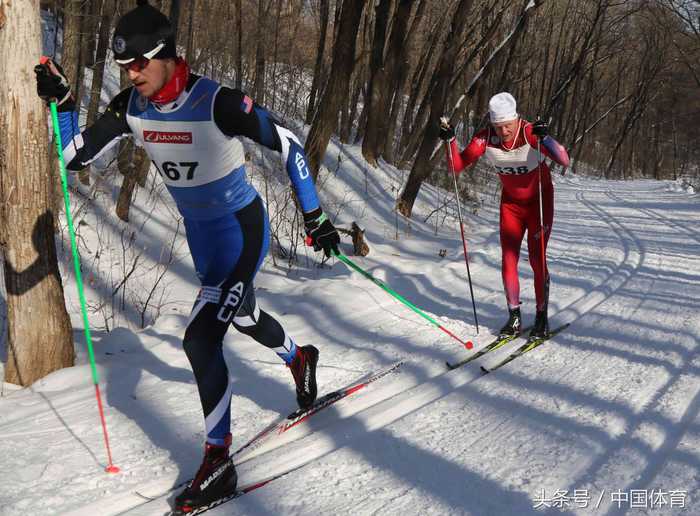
467 344
111 468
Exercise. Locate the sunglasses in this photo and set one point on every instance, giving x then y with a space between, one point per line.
136 65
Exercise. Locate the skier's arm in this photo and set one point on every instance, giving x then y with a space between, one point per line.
236 114
555 151
549 146
470 154
79 149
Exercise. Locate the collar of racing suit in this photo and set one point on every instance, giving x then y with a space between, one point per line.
174 86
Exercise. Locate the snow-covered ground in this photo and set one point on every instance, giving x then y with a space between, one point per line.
603 419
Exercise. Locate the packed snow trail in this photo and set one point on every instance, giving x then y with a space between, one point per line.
610 405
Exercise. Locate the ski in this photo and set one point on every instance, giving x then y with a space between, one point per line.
528 346
148 499
276 428
299 416
497 343
220 501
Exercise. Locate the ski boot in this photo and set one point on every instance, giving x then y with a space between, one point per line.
216 478
540 330
303 367
514 324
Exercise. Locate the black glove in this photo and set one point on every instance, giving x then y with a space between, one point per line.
51 84
447 132
540 129
321 232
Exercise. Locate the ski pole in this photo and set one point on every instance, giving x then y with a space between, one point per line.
542 235
467 344
461 228
111 468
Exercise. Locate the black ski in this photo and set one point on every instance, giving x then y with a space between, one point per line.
497 343
528 346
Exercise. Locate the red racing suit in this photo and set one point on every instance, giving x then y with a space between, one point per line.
517 164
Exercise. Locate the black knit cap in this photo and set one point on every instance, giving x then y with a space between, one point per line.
143 31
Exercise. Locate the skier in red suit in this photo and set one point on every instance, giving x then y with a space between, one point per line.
510 143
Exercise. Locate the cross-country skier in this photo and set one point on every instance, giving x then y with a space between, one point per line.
510 143
190 128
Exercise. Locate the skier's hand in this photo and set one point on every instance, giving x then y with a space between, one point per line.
447 132
51 84
321 232
540 129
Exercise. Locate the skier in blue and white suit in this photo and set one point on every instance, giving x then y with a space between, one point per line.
190 128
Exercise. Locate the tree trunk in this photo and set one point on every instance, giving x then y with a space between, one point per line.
73 55
175 16
100 58
418 79
388 78
438 92
274 54
136 173
189 48
401 79
39 337
415 135
133 164
293 82
90 24
359 246
375 88
349 113
72 43
259 84
336 90
318 66
239 54
362 121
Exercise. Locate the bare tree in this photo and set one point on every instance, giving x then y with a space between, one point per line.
688 44
73 21
377 77
174 16
652 64
318 66
106 17
403 66
239 46
39 338
190 45
336 90
133 164
436 100
76 49
259 84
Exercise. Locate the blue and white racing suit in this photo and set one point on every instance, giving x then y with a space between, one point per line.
193 143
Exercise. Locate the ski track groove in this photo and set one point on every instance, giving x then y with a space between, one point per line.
658 217
633 258
624 273
644 412
635 254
